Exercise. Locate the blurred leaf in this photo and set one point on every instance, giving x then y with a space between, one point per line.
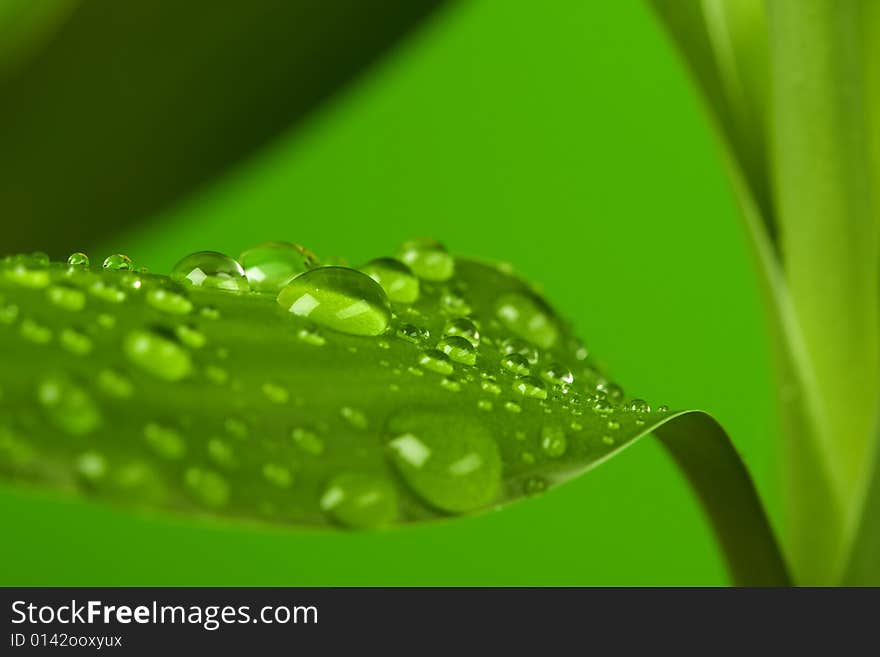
26 26
136 390
134 103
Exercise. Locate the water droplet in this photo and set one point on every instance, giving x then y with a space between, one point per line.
490 386
451 462
602 406
663 409
272 265
78 260
557 374
169 302
210 312
157 355
33 332
91 466
211 270
236 427
360 501
28 274
553 441
106 321
8 314
484 405
106 292
75 342
412 333
428 259
512 407
68 406
131 281
463 327
530 386
459 349
612 391
534 485
275 393
341 299
115 384
117 262
354 417
66 298
216 375
395 278
613 425
515 363
521 347
608 440
639 407
207 487
312 337
277 475
454 304
528 458
190 336
165 441
529 318
436 361
221 453
308 441
450 384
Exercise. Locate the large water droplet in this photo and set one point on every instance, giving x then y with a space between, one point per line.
272 265
210 269
428 259
117 262
463 327
360 501
459 350
450 461
516 363
156 354
339 298
78 260
413 333
395 278
68 406
557 374
529 318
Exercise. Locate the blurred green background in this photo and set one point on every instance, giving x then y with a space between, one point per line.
564 138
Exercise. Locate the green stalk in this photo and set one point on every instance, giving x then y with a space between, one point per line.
829 246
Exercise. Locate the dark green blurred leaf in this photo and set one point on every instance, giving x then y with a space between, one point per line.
134 103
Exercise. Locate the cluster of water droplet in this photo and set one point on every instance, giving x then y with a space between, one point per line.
373 445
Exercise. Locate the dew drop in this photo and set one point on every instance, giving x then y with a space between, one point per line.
515 363
395 278
169 302
275 393
490 386
78 260
354 417
27 273
75 342
114 384
221 453
534 485
91 466
308 441
450 462
190 336
360 501
210 269
484 405
33 332
68 406
553 441
106 292
428 259
521 347
157 355
207 487
66 298
436 361
117 262
451 384
528 317
459 349
236 427
530 386
512 407
216 375
272 265
312 337
165 441
412 333
341 299
8 313
277 475
463 327
639 407
557 374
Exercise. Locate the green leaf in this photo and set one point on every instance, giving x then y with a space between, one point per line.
330 405
828 229
863 564
132 105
